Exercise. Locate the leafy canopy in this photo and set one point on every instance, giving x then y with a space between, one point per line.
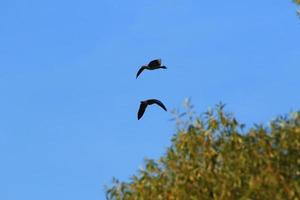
212 157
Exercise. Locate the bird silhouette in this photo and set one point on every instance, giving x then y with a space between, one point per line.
154 64
144 105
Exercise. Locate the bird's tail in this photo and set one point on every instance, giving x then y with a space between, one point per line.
163 67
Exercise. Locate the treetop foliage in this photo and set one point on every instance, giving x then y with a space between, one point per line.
297 2
213 157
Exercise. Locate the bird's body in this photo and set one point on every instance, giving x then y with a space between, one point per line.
153 65
145 103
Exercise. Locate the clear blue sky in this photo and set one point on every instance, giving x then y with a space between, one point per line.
69 96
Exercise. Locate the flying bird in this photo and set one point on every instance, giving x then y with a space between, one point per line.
154 64
145 103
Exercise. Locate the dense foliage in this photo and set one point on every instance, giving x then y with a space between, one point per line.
214 158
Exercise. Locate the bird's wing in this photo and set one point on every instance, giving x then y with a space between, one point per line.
152 101
155 63
140 71
142 109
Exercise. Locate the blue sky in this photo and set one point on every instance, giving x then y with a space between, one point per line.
69 96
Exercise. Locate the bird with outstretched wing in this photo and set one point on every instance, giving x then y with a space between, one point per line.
145 103
152 65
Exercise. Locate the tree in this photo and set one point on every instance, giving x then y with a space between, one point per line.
212 157
297 2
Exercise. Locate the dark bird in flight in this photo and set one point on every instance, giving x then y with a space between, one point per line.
145 103
154 64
